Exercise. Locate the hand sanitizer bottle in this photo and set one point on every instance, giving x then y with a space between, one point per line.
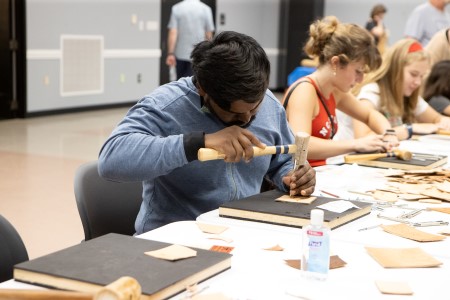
316 247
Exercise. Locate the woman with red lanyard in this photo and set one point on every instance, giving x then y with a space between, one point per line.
345 52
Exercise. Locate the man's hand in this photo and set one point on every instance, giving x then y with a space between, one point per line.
302 181
171 60
235 142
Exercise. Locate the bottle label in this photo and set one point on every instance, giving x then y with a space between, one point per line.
314 233
318 251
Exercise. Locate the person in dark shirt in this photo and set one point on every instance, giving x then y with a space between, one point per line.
437 87
376 26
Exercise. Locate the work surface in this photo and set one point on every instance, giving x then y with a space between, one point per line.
259 273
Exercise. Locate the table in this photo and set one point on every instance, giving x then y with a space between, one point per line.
261 274
356 280
257 273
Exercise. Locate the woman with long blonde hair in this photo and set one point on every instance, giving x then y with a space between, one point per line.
394 89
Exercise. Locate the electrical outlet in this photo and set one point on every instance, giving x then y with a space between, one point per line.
134 19
139 78
152 26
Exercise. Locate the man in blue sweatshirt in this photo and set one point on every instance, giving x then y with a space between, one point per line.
225 106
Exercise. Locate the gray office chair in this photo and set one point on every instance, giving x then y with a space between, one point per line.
12 249
105 206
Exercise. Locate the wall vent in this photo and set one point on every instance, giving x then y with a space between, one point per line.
82 68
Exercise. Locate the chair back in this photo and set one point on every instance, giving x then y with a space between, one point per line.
105 206
12 249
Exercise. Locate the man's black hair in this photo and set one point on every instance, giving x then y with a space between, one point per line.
230 67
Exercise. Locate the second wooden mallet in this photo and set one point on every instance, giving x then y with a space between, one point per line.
401 154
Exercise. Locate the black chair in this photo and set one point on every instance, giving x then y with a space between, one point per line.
12 249
105 206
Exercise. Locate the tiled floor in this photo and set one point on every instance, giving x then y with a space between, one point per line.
38 159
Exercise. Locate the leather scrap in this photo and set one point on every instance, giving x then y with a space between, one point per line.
335 262
296 199
411 233
403 257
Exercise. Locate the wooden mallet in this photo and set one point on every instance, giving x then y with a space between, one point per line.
401 154
124 288
299 150
443 132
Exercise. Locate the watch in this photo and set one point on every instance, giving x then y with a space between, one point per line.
409 128
390 132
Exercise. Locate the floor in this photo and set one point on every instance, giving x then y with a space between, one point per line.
38 159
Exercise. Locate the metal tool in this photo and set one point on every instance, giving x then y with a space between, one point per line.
421 156
393 219
429 223
384 205
411 214
368 228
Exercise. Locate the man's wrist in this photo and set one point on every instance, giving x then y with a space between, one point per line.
192 142
170 53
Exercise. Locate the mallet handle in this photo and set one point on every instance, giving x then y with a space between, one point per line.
362 157
124 288
205 154
443 132
404 155
15 294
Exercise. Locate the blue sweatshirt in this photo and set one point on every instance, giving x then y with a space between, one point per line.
147 145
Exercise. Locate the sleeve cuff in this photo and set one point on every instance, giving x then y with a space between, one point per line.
192 143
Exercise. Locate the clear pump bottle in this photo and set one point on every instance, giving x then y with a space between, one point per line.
316 247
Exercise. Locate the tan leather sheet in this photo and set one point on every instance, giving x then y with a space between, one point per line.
403 257
409 232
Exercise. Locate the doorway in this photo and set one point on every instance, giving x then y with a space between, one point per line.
12 59
166 6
